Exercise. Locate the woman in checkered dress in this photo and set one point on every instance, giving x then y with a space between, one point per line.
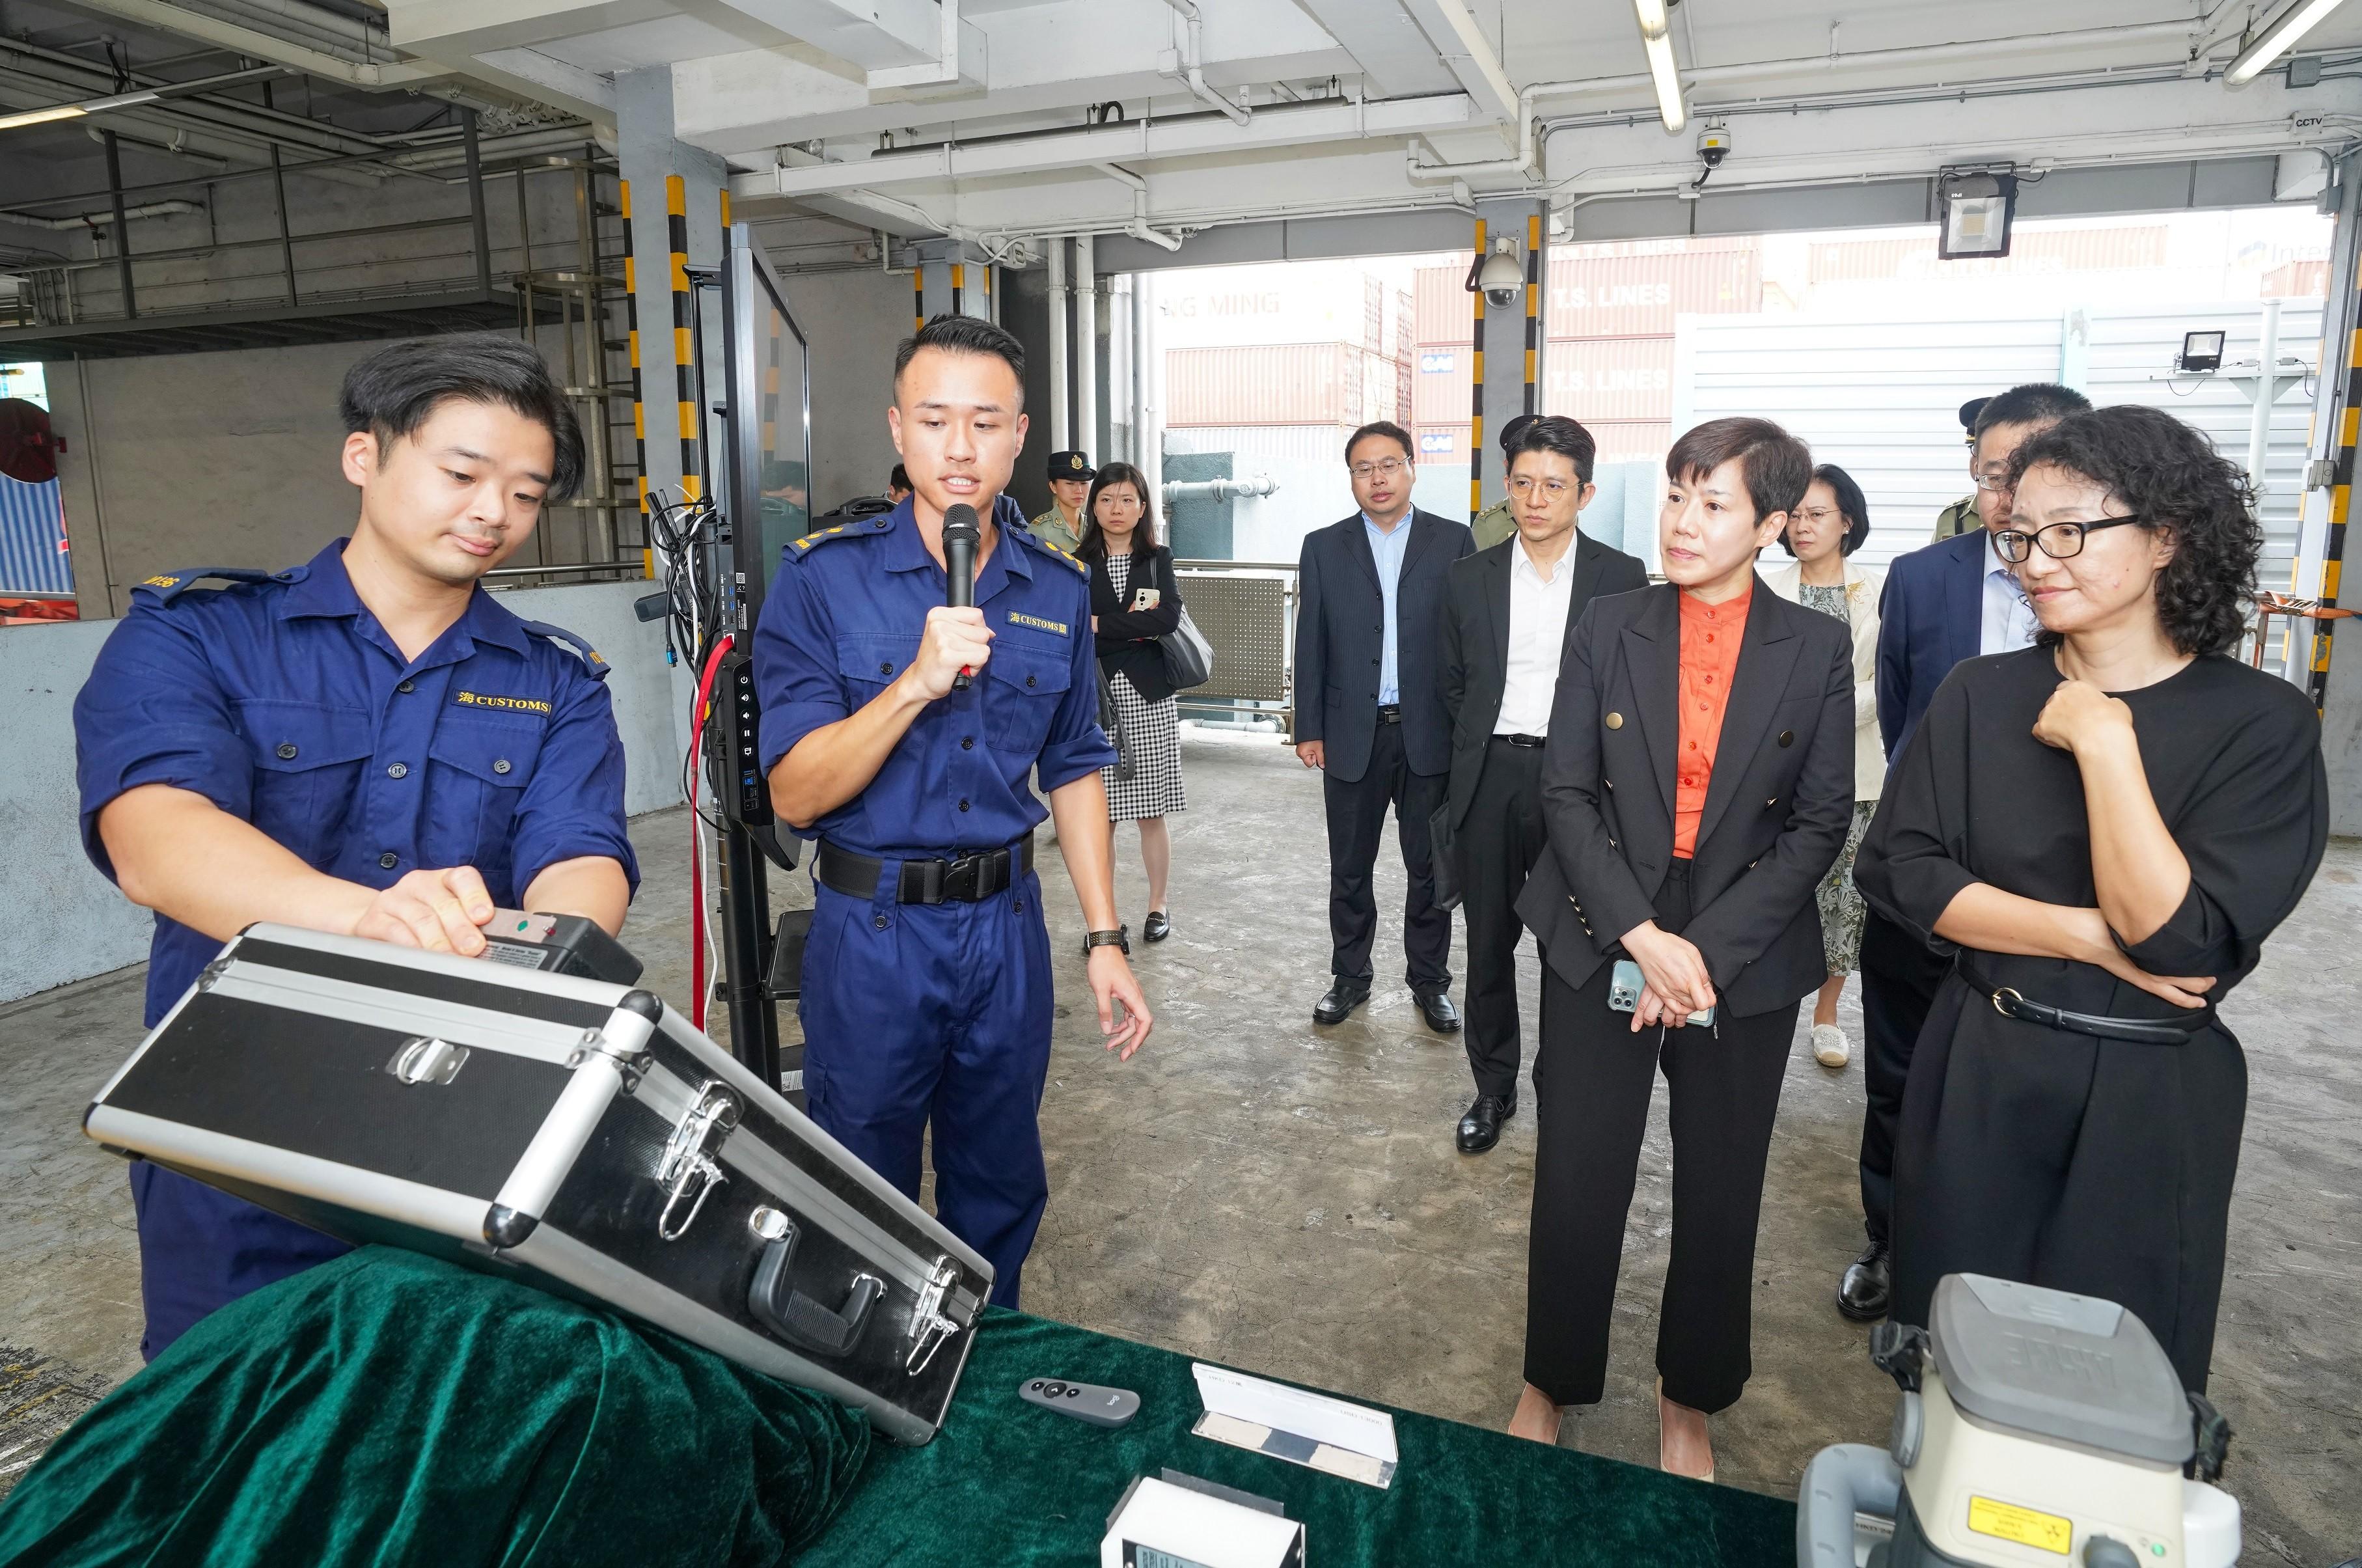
1134 601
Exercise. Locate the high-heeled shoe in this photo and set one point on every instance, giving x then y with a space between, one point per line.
1661 1403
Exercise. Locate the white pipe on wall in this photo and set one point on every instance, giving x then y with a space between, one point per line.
1087 352
1059 368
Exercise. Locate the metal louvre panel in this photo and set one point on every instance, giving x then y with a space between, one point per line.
1244 617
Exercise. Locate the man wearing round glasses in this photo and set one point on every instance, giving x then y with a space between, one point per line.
1952 601
1370 713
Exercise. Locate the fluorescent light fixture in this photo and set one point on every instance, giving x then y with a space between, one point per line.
1978 208
42 116
2278 39
75 111
1656 39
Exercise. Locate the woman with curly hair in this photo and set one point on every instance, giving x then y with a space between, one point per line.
2101 829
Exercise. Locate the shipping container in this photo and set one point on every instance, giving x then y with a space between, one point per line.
1291 383
1258 446
1630 296
2296 280
2031 251
1439 304
1440 382
1602 378
1266 305
1442 443
1631 440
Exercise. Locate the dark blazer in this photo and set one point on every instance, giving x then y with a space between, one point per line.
1340 637
1475 638
1776 810
1931 616
1127 639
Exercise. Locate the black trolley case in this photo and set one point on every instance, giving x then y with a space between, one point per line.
579 1133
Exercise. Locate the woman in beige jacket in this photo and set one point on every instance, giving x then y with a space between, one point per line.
1822 535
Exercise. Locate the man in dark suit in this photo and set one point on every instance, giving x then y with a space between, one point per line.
1507 611
1370 715
1951 601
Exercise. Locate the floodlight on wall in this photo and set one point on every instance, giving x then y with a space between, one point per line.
2262 48
1978 206
1656 39
2201 352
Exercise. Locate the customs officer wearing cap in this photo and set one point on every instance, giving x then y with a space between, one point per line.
368 744
1061 526
1496 523
927 984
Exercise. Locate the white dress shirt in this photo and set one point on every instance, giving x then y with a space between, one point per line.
1538 611
2009 622
1387 549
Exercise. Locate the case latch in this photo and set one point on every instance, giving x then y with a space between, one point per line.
930 1326
420 1060
689 1168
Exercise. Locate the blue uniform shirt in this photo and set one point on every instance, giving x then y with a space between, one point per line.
845 617
281 700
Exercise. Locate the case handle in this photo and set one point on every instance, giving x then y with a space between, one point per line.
795 1317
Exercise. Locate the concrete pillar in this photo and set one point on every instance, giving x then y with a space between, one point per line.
650 158
1508 342
953 278
1087 352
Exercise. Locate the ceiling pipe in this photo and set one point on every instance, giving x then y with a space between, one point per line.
1715 75
1192 62
1220 490
101 219
1138 228
183 23
346 37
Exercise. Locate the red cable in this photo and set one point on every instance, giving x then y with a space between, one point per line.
697 856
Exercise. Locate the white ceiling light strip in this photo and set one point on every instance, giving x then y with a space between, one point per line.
1657 38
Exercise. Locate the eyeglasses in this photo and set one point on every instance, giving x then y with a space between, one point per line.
2059 541
1523 486
1384 468
1815 515
1997 479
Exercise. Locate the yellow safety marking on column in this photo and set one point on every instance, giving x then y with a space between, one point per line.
681 272
2337 500
2349 425
2330 573
639 423
691 487
726 209
688 421
676 196
681 355
623 198
1529 366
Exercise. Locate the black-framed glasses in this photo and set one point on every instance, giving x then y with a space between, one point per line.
2059 541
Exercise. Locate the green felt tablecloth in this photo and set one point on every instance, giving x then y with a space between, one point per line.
1007 1483
390 1408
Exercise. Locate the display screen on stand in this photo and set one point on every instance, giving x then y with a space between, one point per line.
769 401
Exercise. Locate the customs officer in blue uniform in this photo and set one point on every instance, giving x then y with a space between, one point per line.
368 744
927 976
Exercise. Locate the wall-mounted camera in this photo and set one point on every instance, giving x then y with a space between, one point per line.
1501 275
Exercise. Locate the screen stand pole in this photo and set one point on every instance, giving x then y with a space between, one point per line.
745 933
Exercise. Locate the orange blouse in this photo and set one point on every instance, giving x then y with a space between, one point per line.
1710 636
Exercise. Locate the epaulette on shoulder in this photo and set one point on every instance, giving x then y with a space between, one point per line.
165 587
572 644
1053 552
856 529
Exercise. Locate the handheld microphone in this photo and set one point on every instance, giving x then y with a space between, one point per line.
961 537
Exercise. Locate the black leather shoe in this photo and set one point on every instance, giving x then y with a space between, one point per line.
1480 1128
1863 1293
1155 927
1342 999
1437 1009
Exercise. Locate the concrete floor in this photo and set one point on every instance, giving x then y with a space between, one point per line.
1285 1198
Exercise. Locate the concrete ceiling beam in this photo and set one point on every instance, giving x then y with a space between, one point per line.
1395 58
1468 54
183 23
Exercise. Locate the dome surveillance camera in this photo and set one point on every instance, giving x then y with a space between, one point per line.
1503 280
1714 146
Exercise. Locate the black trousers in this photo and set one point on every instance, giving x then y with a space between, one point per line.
1500 839
1592 1084
1357 815
1899 980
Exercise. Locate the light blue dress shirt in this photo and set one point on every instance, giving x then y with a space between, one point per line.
2009 622
1388 547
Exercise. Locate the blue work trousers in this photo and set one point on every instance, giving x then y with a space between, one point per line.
200 1248
921 1014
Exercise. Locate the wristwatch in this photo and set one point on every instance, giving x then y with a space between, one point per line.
1120 937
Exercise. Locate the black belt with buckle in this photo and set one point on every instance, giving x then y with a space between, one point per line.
1527 743
2010 1002
969 879
1390 712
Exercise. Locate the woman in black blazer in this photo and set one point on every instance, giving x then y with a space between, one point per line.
1697 786
1135 600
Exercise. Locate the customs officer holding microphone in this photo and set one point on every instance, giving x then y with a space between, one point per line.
927 976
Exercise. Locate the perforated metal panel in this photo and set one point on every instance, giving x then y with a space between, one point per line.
1245 617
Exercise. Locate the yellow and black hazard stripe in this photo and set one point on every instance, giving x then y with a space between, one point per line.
632 331
1533 308
1476 387
2341 496
683 365
918 296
